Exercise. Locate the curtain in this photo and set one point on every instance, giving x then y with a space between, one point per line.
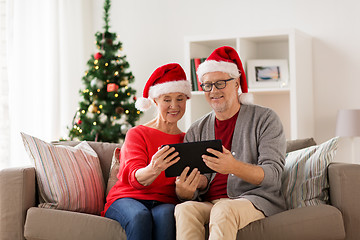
4 90
47 45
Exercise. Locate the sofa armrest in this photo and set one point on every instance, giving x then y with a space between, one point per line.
344 180
17 195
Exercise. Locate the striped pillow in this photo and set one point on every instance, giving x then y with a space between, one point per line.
304 181
69 178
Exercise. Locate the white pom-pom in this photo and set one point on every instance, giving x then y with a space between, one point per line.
246 98
143 104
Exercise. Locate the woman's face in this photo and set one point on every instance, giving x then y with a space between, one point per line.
171 106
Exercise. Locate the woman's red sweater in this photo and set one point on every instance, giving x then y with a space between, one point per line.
141 143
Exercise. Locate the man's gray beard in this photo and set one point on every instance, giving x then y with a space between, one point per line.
219 107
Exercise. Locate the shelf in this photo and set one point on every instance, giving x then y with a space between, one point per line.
255 91
269 90
196 93
293 103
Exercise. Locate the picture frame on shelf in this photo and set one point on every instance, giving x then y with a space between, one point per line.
267 73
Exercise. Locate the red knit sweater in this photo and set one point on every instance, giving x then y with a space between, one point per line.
141 143
224 130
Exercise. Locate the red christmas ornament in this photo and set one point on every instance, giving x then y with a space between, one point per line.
112 87
79 122
135 98
98 55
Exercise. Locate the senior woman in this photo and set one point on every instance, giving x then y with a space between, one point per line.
143 199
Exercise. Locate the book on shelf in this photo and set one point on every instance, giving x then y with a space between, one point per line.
195 62
193 76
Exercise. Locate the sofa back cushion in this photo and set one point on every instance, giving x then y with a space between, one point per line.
293 145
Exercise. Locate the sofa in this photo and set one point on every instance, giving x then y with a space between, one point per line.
21 218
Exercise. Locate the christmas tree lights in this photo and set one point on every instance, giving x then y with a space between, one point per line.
107 108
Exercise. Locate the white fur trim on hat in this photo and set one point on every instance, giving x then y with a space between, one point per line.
214 66
143 104
246 98
182 86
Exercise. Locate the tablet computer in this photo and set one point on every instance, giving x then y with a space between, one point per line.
190 156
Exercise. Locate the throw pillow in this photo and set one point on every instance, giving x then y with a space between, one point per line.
114 169
69 178
304 181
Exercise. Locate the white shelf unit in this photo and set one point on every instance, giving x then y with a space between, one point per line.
293 103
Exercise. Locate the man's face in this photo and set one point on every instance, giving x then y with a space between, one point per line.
222 100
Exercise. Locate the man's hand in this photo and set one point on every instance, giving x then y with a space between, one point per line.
187 185
223 163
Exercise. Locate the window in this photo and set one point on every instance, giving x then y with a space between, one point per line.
4 92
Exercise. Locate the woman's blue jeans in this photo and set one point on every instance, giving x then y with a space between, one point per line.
144 219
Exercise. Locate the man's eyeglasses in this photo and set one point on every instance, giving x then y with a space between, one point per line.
221 84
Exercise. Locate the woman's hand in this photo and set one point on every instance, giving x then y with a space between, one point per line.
187 185
161 160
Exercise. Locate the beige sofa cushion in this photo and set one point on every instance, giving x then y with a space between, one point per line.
293 145
53 224
310 223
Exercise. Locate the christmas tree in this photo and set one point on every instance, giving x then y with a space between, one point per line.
107 107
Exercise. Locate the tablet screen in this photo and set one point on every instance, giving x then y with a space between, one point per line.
190 156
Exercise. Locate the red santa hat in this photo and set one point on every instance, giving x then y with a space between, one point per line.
226 59
165 79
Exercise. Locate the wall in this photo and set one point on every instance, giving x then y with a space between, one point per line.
153 33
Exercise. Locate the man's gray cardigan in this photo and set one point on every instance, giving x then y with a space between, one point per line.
258 139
